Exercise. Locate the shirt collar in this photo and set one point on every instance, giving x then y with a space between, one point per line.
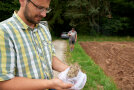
22 24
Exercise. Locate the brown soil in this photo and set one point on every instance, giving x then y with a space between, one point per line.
116 59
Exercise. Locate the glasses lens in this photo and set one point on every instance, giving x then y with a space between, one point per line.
48 10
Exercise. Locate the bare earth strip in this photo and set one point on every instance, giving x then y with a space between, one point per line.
60 47
116 59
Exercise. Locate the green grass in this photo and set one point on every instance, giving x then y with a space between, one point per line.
95 76
104 38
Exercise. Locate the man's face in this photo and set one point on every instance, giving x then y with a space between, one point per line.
32 13
72 30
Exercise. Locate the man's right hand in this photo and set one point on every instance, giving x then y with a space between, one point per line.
22 83
59 84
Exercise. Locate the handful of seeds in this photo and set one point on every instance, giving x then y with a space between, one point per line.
73 71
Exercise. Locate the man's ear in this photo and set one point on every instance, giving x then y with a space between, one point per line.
22 3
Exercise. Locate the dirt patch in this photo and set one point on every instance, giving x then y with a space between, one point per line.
116 59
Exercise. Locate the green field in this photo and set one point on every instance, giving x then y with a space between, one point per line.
104 38
96 79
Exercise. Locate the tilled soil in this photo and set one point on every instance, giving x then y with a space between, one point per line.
116 59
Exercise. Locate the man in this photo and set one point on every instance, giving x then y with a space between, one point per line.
26 52
72 38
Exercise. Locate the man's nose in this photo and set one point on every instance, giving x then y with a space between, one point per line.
43 14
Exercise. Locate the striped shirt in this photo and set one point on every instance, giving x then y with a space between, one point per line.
25 52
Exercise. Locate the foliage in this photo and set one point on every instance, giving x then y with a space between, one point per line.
81 12
91 17
101 17
7 8
123 7
123 10
115 26
55 18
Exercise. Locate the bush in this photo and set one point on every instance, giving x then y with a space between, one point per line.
114 26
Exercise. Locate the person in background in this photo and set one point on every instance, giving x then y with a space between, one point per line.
27 55
72 38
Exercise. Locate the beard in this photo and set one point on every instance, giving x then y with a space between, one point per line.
29 17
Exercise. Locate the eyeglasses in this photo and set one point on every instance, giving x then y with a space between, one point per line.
40 8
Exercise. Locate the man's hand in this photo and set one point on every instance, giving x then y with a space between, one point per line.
59 84
69 34
22 83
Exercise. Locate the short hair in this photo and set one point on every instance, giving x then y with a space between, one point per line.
73 28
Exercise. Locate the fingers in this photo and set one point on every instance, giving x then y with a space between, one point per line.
67 85
59 84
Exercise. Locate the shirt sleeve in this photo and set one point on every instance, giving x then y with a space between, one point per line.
69 32
53 51
7 57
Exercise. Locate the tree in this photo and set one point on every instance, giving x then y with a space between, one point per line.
123 13
85 14
7 8
55 18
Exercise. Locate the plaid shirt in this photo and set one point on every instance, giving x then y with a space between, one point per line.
25 52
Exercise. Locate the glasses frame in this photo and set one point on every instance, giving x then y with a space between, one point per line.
40 8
